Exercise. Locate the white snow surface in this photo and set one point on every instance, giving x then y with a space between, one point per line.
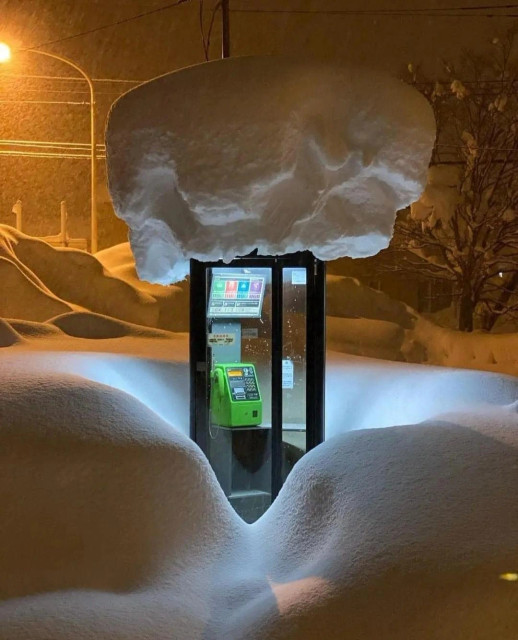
274 154
114 526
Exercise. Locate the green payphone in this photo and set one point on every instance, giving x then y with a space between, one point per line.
235 397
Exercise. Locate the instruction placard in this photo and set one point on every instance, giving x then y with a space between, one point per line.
221 338
287 374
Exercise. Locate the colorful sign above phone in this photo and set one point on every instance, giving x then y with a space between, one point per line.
236 296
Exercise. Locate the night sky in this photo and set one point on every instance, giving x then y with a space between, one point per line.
169 40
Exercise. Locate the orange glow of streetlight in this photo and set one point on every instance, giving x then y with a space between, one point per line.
5 52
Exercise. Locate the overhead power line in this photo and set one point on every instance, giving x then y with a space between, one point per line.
43 143
49 154
19 76
473 7
69 102
450 12
61 91
109 25
48 149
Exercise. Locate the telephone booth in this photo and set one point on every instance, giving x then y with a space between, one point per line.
257 357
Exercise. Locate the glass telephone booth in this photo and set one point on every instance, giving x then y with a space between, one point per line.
257 354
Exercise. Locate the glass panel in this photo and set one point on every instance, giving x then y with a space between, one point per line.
294 367
239 329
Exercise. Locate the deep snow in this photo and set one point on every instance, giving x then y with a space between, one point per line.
49 288
275 154
114 526
40 282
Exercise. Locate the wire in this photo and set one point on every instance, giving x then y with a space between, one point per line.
42 143
108 26
43 102
465 12
459 146
75 78
69 91
49 154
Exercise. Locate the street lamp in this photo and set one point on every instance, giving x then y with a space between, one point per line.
5 56
5 52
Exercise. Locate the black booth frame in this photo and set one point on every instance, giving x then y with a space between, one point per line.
315 349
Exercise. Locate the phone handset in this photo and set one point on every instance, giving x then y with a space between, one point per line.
218 381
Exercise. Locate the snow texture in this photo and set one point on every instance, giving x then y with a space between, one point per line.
365 322
274 154
114 526
48 298
40 282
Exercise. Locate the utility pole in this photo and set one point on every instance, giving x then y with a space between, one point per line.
225 28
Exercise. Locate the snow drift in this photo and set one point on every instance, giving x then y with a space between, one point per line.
40 282
278 155
114 526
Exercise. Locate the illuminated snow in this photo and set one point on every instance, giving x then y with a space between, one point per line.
278 155
114 526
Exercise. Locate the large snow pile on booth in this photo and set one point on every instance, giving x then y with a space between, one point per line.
279 155
113 525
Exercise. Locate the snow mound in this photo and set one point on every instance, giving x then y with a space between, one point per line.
41 281
366 337
274 154
369 323
416 524
172 300
97 463
114 526
8 335
95 326
348 298
23 297
28 329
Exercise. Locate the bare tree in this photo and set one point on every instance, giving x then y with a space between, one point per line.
206 29
464 229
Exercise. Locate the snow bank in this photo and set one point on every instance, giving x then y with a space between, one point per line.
348 298
172 300
396 533
40 282
90 506
273 154
23 297
368 323
366 393
8 334
113 525
98 327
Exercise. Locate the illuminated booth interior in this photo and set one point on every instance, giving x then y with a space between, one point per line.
257 354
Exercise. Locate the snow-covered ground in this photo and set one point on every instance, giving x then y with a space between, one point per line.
49 282
401 525
40 282
365 322
114 526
